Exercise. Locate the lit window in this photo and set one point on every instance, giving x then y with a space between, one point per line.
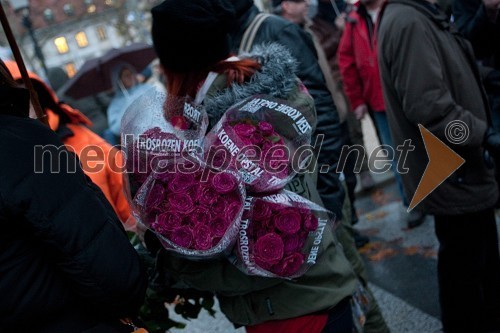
91 9
70 69
81 39
61 45
101 33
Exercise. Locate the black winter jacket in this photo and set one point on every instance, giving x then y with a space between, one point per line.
472 21
301 46
66 264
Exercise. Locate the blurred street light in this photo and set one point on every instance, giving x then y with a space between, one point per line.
23 7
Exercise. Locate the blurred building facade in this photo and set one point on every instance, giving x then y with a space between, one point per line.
69 32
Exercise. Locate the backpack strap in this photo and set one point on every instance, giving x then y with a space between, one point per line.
251 31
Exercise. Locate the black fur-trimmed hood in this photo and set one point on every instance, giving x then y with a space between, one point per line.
277 78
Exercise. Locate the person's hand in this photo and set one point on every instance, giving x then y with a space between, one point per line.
492 141
360 111
340 21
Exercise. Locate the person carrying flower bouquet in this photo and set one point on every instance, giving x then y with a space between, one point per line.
192 42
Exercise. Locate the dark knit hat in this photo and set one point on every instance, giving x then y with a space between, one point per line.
241 6
192 34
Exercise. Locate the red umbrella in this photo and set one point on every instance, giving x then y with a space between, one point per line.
95 75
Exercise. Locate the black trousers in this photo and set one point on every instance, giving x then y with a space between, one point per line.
340 318
469 272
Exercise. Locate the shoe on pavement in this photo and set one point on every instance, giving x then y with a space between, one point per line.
414 219
367 182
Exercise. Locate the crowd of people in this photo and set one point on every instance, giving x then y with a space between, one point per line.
66 263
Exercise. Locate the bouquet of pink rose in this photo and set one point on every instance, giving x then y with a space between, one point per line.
261 138
195 211
155 131
280 235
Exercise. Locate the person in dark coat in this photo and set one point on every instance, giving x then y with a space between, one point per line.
430 78
66 264
317 301
296 12
479 22
277 29
327 27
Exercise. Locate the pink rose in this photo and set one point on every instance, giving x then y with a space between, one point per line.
288 220
182 236
261 232
266 128
218 226
290 265
224 182
152 132
167 221
219 207
256 139
269 248
266 145
188 221
159 228
244 130
201 216
278 152
218 157
246 141
215 241
310 221
262 210
194 192
155 197
264 265
180 202
208 195
292 243
232 211
202 237
181 182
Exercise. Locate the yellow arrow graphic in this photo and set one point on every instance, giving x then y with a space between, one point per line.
443 162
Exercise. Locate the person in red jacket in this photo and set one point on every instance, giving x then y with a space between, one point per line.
357 56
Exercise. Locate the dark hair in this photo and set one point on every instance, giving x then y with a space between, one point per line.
5 76
192 34
14 99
